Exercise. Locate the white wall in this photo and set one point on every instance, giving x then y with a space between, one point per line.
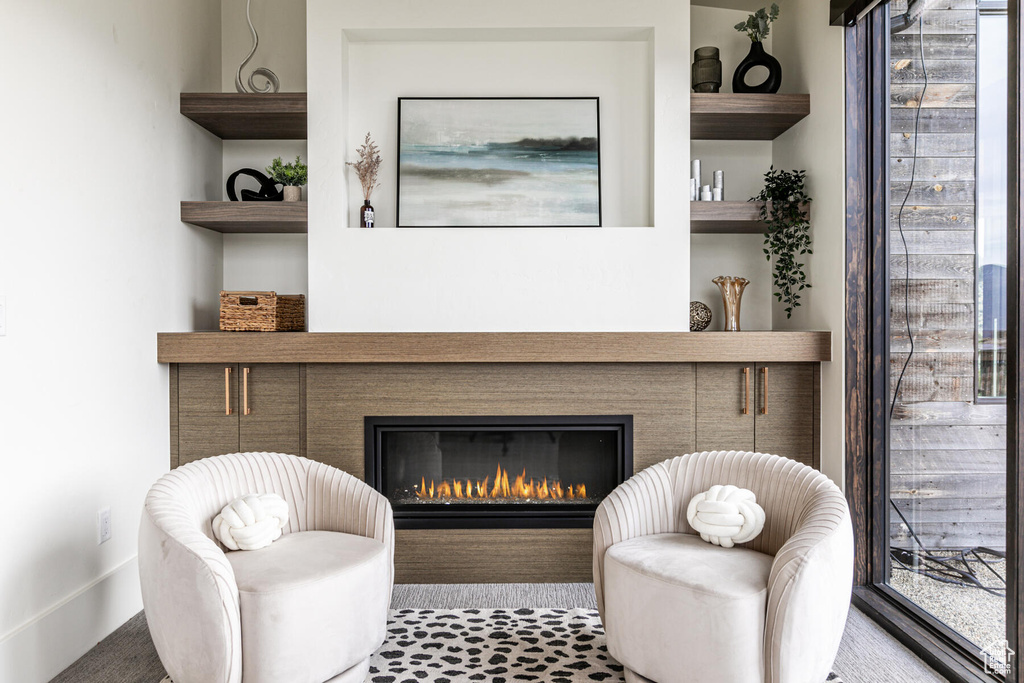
744 163
612 278
281 25
811 53
264 262
93 262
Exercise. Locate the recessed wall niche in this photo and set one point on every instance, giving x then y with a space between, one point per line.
382 66
632 274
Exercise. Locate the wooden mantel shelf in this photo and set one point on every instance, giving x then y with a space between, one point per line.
494 347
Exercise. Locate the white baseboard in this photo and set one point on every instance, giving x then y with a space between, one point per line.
46 645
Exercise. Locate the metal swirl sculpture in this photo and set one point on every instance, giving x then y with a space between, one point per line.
272 84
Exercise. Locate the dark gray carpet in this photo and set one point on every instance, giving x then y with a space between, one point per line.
125 656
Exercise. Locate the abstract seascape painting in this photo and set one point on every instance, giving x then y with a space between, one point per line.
499 162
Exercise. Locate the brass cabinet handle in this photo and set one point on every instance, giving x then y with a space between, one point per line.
746 391
764 401
227 391
245 392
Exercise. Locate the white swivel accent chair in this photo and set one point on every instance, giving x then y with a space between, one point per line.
679 610
309 608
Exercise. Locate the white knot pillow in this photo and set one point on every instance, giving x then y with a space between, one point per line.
726 515
251 522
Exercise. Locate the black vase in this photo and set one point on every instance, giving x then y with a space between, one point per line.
758 57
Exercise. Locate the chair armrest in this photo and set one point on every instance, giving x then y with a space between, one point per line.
640 506
809 592
338 501
190 597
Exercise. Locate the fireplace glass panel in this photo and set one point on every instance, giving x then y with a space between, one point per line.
546 469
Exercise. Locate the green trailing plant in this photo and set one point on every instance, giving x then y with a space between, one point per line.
293 174
784 210
758 25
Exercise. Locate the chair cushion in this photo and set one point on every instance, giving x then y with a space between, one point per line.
312 605
667 590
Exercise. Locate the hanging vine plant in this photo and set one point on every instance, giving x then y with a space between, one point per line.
784 211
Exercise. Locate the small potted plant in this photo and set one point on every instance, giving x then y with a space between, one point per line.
757 27
367 169
292 176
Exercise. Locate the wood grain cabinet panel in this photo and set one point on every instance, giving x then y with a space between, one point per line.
782 415
785 411
723 390
274 401
204 428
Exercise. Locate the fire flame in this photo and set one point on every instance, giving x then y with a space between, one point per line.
502 488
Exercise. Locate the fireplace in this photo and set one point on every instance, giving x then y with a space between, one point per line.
471 472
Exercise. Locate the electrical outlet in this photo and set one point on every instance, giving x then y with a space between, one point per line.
103 519
3 316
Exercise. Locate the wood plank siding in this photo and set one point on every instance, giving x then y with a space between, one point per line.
947 452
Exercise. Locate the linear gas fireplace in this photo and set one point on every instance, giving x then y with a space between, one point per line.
508 471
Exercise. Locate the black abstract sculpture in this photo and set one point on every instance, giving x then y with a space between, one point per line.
268 191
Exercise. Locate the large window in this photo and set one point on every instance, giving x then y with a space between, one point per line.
933 329
947 453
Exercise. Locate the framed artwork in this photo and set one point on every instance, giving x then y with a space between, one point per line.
499 162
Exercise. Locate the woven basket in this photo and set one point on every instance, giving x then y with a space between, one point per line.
262 312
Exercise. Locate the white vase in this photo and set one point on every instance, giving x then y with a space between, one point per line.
292 193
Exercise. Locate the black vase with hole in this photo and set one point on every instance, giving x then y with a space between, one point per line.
758 57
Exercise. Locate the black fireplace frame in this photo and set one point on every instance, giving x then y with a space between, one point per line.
498 516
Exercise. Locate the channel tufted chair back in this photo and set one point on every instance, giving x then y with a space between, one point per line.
807 533
188 584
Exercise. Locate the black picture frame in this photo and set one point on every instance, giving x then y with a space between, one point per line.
398 183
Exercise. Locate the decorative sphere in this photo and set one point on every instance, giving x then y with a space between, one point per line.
700 316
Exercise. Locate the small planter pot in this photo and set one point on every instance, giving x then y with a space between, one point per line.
292 193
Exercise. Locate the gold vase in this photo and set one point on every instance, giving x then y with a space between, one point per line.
732 291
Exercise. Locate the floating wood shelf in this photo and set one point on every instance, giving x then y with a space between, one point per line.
239 116
243 217
494 347
729 116
718 218
726 218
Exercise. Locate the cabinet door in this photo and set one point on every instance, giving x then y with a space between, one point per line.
724 392
204 400
785 410
272 394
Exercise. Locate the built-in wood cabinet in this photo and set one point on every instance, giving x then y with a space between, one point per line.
229 407
311 393
765 407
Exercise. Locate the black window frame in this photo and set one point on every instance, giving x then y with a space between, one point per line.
867 363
